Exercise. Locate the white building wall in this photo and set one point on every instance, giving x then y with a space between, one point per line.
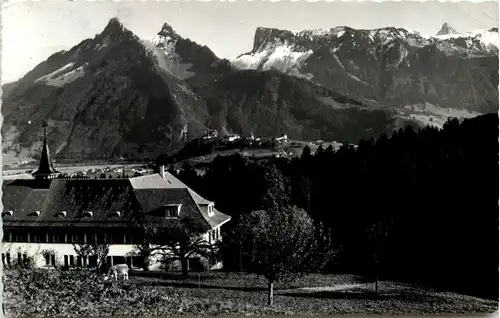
35 250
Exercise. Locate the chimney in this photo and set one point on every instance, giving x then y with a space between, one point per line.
161 171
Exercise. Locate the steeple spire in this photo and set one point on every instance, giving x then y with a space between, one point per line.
46 169
44 126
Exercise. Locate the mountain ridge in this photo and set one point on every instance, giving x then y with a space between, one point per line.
386 64
116 95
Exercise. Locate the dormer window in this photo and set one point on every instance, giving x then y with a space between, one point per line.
210 210
115 214
61 214
7 213
172 211
34 213
87 214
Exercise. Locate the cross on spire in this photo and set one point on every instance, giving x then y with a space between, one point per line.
44 125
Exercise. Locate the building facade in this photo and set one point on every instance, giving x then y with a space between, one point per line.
44 217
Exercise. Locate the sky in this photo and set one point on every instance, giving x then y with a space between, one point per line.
33 30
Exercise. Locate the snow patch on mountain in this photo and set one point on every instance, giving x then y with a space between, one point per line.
488 38
276 55
250 61
60 70
284 58
62 76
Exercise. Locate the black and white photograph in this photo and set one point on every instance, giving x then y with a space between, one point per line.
249 158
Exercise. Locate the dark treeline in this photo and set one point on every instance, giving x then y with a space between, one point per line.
434 191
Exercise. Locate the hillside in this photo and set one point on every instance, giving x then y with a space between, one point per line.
271 104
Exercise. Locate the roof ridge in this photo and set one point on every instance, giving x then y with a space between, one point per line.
190 190
198 208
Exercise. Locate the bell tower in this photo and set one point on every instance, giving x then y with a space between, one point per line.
46 169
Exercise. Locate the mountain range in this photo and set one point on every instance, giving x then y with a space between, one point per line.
117 95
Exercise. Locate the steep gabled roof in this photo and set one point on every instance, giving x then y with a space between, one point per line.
150 181
74 197
153 199
174 183
25 196
132 197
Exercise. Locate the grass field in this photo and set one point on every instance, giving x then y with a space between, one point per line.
230 294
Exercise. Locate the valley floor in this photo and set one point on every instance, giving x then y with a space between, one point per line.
232 294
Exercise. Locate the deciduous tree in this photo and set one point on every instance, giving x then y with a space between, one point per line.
280 244
180 239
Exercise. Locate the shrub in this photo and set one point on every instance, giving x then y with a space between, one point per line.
79 293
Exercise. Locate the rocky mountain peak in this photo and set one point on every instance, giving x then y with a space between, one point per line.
447 29
167 30
115 30
263 35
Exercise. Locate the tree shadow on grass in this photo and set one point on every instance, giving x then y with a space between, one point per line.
362 295
203 286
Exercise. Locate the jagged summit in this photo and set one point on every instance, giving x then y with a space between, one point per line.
447 29
167 36
167 30
114 24
115 29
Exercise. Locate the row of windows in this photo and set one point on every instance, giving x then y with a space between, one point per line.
71 260
70 237
64 213
214 235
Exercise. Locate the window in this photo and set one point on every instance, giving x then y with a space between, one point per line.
172 211
71 260
50 259
210 209
7 213
87 214
116 214
20 237
93 260
61 214
34 213
35 237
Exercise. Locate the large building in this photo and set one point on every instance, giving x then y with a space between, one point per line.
45 216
